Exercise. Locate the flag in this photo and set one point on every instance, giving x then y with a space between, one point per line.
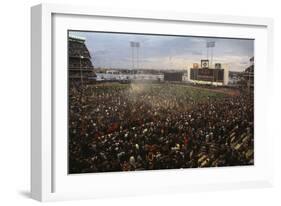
134 44
210 44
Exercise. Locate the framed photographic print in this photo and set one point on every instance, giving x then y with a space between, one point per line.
133 102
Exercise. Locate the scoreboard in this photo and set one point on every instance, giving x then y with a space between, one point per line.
173 76
205 74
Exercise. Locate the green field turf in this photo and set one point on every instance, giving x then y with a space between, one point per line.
174 90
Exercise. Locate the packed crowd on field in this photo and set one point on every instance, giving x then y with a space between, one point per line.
122 127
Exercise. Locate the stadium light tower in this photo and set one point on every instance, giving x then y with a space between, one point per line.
210 44
134 45
137 46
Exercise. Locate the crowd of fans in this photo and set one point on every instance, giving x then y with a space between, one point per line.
126 127
78 63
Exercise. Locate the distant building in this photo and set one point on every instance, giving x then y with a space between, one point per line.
112 72
173 76
80 67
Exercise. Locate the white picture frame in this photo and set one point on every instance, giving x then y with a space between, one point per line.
49 179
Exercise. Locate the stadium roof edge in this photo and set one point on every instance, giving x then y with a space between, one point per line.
78 38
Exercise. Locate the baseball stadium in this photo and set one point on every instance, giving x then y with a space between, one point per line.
135 118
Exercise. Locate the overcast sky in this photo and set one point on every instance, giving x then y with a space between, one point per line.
164 52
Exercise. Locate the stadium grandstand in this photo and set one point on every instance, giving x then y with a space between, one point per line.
249 74
79 60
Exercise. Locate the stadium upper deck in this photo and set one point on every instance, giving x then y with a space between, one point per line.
79 59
